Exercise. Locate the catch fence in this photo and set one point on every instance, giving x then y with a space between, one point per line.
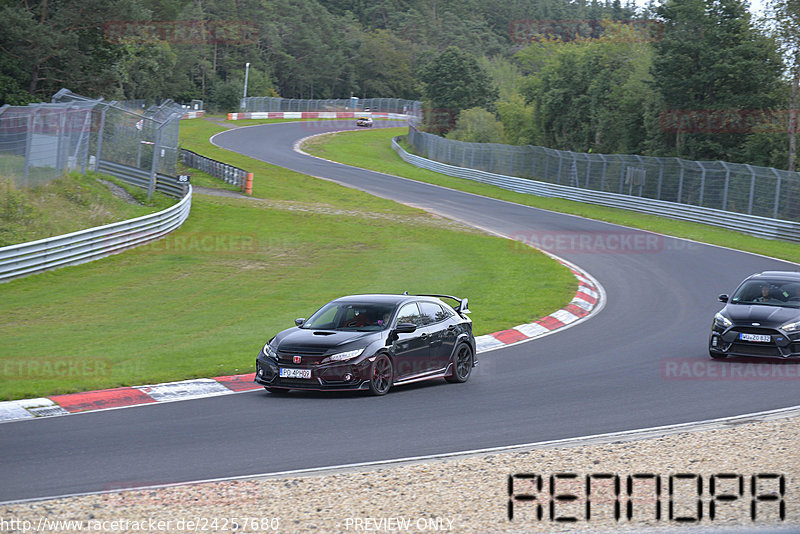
227 173
39 142
413 108
731 187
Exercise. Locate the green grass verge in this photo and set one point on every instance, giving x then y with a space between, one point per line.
202 301
372 150
68 204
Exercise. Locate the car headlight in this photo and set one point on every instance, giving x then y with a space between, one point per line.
722 321
342 356
268 352
791 327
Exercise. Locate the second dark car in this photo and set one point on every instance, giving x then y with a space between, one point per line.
761 318
371 342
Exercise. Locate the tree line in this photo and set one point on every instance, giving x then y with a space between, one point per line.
698 79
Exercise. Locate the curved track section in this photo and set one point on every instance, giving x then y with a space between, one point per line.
610 373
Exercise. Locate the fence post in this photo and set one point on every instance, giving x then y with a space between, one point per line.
752 190
588 170
603 174
573 171
60 142
777 192
100 137
560 164
725 187
644 174
546 164
154 165
87 129
702 183
28 143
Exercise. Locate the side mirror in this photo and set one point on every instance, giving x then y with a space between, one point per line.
300 321
723 297
405 328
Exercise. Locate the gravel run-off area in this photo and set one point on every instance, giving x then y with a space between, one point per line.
474 494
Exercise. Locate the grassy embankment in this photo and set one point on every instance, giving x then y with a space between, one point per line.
202 301
71 203
372 150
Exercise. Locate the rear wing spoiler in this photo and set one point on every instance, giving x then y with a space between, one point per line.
462 306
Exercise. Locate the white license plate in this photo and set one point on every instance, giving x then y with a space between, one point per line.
295 373
759 338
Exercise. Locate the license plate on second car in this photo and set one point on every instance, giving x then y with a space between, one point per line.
295 373
759 338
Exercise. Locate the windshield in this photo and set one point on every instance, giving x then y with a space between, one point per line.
362 317
769 293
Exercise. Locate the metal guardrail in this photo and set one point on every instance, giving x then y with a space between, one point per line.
719 185
749 224
227 173
123 140
23 259
165 184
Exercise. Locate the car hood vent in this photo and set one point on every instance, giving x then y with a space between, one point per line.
302 341
768 316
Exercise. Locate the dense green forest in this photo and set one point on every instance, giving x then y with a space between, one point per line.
698 79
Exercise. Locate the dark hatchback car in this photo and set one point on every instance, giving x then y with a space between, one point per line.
371 342
761 318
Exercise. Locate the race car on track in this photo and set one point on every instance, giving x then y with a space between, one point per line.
761 318
366 122
371 342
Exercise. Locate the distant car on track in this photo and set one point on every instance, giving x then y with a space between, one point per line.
761 318
365 122
371 342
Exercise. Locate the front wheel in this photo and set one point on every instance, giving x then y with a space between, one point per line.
381 376
462 364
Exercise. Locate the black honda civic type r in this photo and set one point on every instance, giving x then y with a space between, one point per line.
371 342
761 318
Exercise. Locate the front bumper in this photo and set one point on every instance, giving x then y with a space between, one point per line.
733 341
328 377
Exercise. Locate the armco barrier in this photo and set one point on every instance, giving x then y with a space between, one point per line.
227 173
131 175
80 247
749 224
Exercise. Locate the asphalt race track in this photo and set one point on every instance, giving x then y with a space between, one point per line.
609 373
